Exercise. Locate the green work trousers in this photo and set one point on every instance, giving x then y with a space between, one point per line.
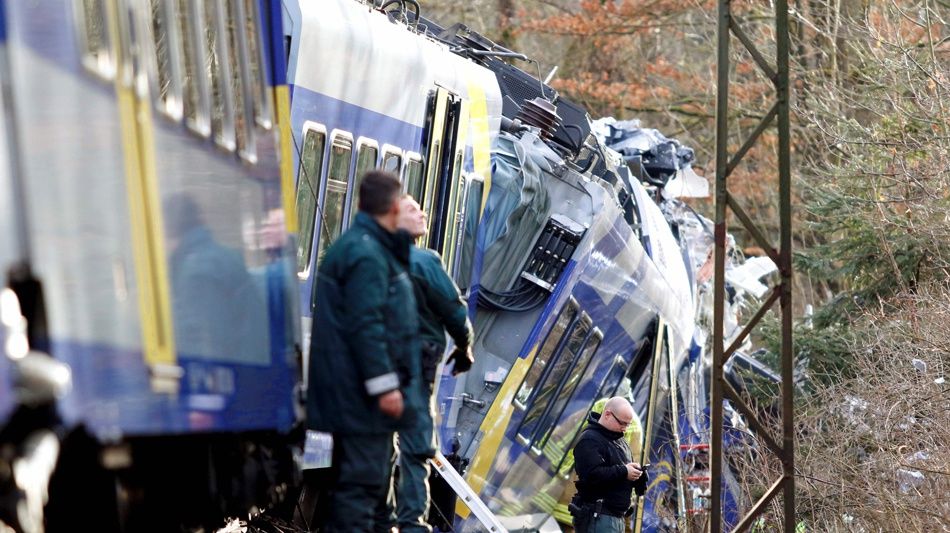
364 464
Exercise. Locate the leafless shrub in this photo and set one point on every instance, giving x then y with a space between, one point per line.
871 450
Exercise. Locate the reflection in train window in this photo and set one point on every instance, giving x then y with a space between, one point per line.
472 210
334 196
547 350
560 364
365 161
391 161
308 182
92 30
577 370
413 177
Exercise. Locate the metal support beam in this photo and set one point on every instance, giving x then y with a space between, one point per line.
779 112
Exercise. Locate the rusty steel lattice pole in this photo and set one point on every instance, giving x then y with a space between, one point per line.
778 114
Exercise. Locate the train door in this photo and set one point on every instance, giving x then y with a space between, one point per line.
442 191
663 506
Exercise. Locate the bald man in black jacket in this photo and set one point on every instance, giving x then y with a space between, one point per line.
606 472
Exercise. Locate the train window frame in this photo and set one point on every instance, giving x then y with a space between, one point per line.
242 86
450 229
321 130
224 133
602 392
96 57
196 84
437 135
661 361
164 77
412 158
390 152
579 367
336 136
362 144
550 382
263 103
570 309
471 214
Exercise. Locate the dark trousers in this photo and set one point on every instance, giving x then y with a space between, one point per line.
364 479
588 523
416 446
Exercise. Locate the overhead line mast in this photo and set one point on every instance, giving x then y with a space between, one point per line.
729 25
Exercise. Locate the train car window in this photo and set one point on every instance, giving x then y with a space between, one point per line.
564 320
432 179
242 87
95 43
558 444
453 215
661 386
391 163
392 159
472 210
334 196
435 135
218 50
257 64
308 190
412 176
566 389
366 152
558 368
641 371
195 84
165 60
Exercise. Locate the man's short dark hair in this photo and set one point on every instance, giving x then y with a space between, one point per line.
379 190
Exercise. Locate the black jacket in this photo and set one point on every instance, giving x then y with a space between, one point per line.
365 333
600 457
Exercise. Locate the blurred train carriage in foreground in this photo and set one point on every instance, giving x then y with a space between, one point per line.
147 146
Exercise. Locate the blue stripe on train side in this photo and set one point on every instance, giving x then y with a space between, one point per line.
112 395
108 385
41 30
360 121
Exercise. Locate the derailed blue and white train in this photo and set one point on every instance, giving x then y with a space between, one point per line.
152 149
577 285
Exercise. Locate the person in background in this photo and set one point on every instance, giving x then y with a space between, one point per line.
606 473
441 311
364 363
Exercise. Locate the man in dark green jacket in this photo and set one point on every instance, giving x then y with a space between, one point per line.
441 310
364 358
